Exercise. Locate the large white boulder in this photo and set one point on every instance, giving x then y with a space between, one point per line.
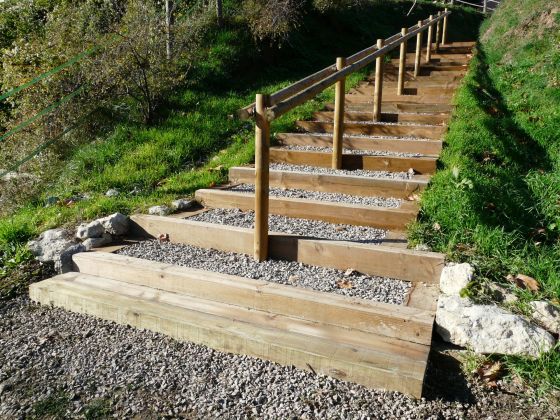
94 229
57 245
115 224
547 314
455 277
489 329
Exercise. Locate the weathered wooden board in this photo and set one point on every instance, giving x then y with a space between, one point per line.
389 96
421 165
396 106
405 264
351 214
418 118
380 129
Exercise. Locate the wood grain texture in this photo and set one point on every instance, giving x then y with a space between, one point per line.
376 128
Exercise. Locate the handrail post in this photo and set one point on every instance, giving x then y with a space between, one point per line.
485 7
338 129
402 64
262 153
378 90
430 36
418 51
444 34
438 33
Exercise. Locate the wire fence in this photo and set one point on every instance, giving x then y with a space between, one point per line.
485 6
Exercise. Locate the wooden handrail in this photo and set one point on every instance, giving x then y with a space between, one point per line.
328 76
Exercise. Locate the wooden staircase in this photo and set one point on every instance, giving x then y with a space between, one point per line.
376 344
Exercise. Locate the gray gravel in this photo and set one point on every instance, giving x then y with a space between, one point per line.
81 367
351 151
323 196
373 136
291 273
294 226
357 172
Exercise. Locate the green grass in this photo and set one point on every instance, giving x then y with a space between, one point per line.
51 407
495 201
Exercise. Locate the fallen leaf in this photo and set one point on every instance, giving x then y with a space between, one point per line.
411 171
524 282
344 284
293 278
490 372
164 237
349 272
339 228
413 197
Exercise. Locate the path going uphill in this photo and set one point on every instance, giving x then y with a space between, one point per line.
340 294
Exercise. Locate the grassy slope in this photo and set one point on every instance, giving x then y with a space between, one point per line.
496 200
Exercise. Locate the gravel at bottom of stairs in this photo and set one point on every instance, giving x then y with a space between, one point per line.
291 273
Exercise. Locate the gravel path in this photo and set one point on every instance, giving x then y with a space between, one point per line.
292 273
351 151
373 136
323 196
294 226
357 172
57 364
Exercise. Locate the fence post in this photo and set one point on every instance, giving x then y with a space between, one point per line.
438 33
378 91
444 34
485 7
430 35
262 144
418 51
338 129
402 64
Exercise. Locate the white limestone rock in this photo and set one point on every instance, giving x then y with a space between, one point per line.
90 243
94 229
113 192
116 224
50 244
546 314
489 329
64 263
182 204
455 277
159 210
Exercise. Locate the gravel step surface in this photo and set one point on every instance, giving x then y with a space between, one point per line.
371 136
329 171
81 367
291 273
294 226
323 196
351 151
405 123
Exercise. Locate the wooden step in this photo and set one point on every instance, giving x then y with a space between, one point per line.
342 184
333 212
421 165
390 87
236 330
396 106
448 77
379 260
424 147
393 97
412 117
370 128
336 312
439 57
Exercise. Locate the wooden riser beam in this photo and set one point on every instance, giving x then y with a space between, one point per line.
368 89
393 97
407 130
395 106
435 119
448 77
424 147
351 214
389 322
421 165
413 266
342 184
173 315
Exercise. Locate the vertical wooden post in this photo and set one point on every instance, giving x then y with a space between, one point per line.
418 51
338 131
402 64
430 35
438 33
485 7
378 90
262 145
444 34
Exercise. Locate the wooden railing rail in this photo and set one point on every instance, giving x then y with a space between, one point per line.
267 108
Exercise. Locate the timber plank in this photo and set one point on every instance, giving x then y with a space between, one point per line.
158 311
396 106
351 214
343 184
373 128
393 97
405 264
424 147
418 118
386 320
421 165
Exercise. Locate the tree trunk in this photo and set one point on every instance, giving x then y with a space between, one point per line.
168 28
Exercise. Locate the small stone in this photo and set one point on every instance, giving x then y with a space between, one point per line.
115 224
112 192
90 243
454 278
94 229
422 247
64 264
489 329
546 314
182 204
159 210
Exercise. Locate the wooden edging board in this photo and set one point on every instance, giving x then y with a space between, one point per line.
404 264
424 131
